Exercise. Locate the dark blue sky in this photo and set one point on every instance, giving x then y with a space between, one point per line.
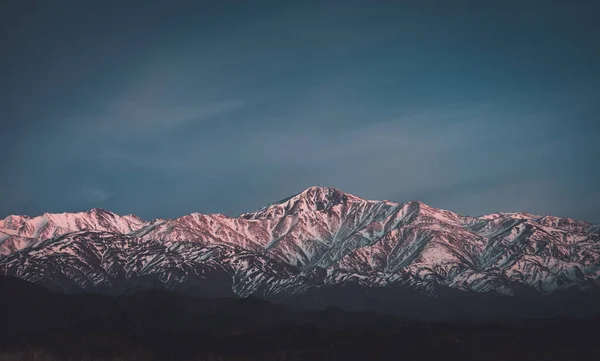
166 108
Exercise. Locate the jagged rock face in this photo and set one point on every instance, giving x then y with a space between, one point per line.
321 236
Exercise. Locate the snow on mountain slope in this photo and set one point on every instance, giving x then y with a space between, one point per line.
10 243
320 236
32 229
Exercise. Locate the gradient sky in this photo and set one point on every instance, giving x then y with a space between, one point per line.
166 108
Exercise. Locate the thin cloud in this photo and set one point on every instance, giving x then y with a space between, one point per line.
92 194
127 118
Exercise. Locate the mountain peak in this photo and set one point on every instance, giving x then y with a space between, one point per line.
50 225
315 193
97 210
312 199
321 189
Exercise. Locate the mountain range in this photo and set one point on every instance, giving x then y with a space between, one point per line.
319 238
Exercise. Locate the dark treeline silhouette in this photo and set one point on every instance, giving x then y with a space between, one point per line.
154 324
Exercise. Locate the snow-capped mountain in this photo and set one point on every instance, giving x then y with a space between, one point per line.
19 232
321 236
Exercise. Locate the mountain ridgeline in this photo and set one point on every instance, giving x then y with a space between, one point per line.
319 245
